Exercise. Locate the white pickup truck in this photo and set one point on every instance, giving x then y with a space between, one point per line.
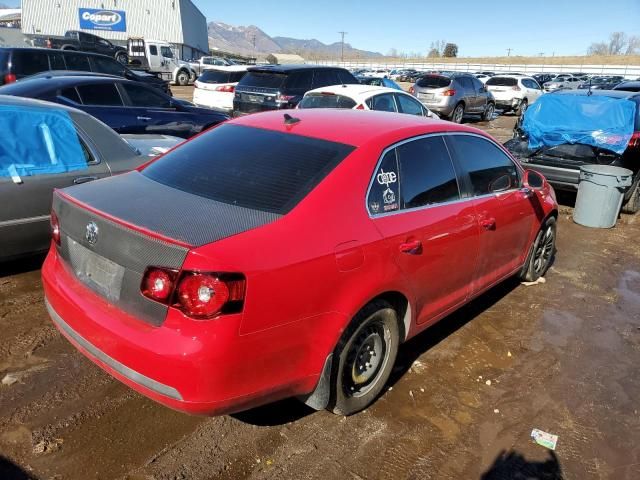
157 56
209 62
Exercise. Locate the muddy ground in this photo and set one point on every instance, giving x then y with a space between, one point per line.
561 356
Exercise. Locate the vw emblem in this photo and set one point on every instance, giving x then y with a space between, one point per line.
91 234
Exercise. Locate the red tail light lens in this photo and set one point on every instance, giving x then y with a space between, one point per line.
10 78
158 284
201 295
360 107
635 140
284 98
412 90
55 228
448 93
226 88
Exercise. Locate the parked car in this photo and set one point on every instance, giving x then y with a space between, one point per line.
151 145
215 88
225 310
126 106
487 73
47 146
482 77
401 75
205 63
273 87
543 78
83 42
379 82
574 128
364 97
562 83
513 92
628 86
19 63
454 96
600 83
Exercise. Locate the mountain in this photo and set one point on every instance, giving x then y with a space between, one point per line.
252 40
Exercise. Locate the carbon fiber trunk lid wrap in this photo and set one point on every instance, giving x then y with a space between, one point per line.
114 265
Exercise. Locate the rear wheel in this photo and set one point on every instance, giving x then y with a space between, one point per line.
632 205
487 116
365 357
122 58
524 104
183 78
458 113
544 247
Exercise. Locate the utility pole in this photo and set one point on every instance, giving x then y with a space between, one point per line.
509 52
342 48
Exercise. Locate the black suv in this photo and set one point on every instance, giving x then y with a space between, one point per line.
274 87
18 63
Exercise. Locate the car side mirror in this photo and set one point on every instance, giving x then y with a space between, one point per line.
500 184
533 179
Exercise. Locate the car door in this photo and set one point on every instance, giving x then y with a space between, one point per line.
533 89
408 104
506 215
103 101
481 94
384 102
470 94
414 201
25 201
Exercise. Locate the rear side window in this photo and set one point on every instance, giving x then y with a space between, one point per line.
382 103
318 100
214 76
426 173
76 61
153 50
489 169
324 78
433 81
300 81
502 82
221 165
108 66
141 96
346 78
100 94
28 62
235 77
56 61
263 80
384 194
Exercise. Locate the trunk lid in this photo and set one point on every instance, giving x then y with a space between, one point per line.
258 91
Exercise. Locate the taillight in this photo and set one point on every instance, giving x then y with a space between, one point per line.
226 88
10 78
197 295
412 90
635 140
158 284
360 107
448 93
55 228
48 43
284 98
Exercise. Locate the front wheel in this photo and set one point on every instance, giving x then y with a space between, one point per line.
365 357
122 58
524 104
183 78
541 254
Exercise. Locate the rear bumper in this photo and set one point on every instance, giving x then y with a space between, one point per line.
198 367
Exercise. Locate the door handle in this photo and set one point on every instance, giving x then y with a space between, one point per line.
144 119
80 180
488 223
412 248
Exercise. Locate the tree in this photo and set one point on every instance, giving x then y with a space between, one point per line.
450 50
393 53
433 53
619 44
633 45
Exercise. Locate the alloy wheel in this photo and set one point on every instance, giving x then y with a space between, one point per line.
544 250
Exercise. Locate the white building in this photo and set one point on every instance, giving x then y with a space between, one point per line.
175 21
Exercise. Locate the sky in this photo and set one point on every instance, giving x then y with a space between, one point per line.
478 27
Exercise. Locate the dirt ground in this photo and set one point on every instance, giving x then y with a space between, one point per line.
561 356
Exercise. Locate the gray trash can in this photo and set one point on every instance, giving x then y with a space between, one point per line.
600 194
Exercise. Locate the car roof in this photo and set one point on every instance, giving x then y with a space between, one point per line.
359 92
290 68
226 68
512 75
49 50
629 83
350 127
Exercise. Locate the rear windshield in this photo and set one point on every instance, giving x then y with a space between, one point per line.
319 100
249 167
502 82
433 81
216 76
263 80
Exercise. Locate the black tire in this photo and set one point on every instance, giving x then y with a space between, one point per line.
542 252
487 115
632 204
458 113
524 104
182 78
122 58
372 338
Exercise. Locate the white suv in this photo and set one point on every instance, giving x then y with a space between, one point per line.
514 92
216 86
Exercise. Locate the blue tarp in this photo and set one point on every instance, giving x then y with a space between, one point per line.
35 141
595 120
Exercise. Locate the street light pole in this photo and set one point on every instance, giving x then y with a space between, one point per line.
342 46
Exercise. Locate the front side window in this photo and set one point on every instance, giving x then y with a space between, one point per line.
71 94
100 94
141 96
410 105
166 52
56 60
77 62
427 175
489 169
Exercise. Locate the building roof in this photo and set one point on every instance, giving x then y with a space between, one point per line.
285 58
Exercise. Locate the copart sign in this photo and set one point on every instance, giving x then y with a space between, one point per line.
96 19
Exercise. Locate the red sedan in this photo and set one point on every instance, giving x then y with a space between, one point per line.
277 256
